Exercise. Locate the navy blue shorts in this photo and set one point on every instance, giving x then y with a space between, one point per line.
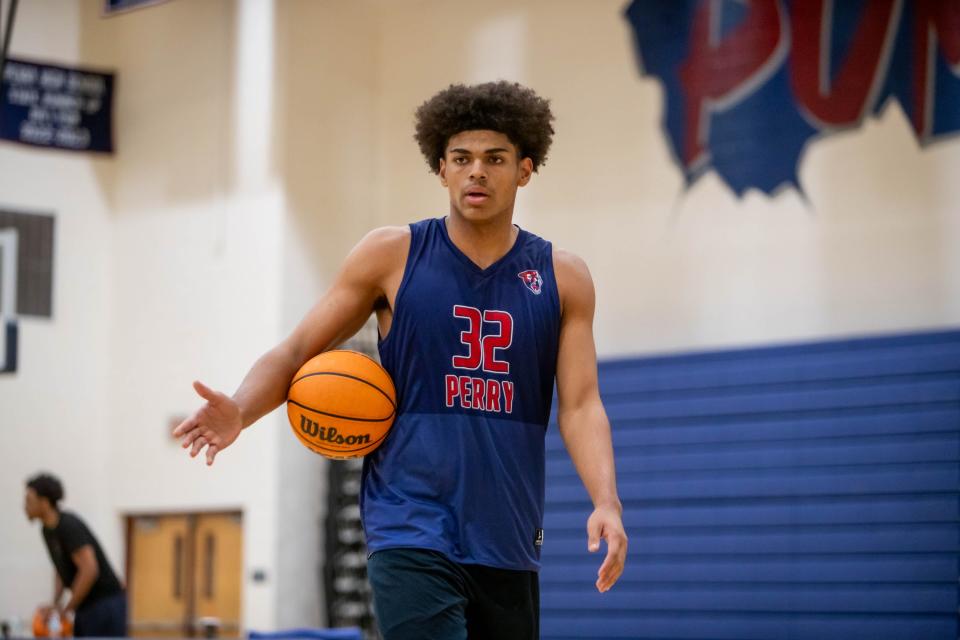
423 595
103 618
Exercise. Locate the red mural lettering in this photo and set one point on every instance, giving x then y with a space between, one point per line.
841 97
721 71
936 26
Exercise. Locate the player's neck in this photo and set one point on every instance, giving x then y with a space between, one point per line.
484 243
50 518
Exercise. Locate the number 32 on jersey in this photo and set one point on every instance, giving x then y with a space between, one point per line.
486 336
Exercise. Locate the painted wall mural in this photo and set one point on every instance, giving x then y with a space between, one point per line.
748 84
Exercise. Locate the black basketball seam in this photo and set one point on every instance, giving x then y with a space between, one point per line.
360 353
356 353
334 415
347 375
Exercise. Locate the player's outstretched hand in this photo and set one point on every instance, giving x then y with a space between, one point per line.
215 425
605 523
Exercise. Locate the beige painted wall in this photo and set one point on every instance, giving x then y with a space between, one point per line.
325 84
197 213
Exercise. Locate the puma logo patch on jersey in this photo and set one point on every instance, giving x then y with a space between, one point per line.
532 280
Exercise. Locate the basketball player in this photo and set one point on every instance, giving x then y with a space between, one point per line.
97 601
477 319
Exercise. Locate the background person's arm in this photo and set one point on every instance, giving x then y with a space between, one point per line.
87 572
339 314
57 588
581 416
45 609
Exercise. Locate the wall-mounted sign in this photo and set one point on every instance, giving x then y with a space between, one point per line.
749 84
119 6
47 105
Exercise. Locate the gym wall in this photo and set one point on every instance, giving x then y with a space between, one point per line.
258 141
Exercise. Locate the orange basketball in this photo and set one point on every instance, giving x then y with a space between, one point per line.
40 628
341 404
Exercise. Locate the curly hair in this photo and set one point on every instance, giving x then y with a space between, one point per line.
506 107
47 486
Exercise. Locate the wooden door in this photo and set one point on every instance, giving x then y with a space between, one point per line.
184 570
157 575
218 548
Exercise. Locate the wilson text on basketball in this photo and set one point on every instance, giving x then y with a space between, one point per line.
329 434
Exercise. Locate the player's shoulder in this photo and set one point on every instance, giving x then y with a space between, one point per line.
574 282
387 237
70 522
382 247
570 266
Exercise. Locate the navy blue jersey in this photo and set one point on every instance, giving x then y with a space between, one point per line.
473 354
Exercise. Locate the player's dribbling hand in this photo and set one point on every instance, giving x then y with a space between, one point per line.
215 425
44 610
605 523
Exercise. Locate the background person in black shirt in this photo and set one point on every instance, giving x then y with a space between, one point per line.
97 601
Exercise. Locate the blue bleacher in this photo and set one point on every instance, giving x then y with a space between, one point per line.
308 633
802 491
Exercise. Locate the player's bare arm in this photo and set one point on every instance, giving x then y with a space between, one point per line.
583 422
57 589
85 560
46 609
367 281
